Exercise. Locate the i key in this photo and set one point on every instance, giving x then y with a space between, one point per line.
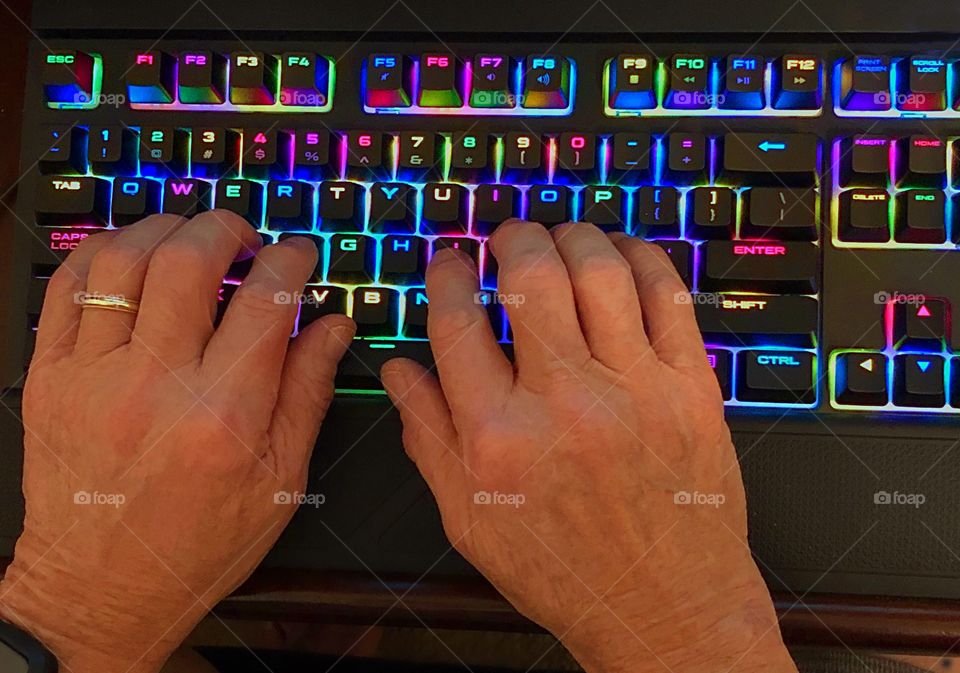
492 205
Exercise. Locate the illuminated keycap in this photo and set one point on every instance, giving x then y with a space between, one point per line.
150 77
441 83
304 79
67 77
546 82
253 78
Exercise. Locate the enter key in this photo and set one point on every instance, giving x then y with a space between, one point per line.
759 266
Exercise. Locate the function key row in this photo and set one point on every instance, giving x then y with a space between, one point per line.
486 84
697 84
881 86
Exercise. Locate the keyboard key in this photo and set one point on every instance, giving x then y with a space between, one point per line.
184 196
780 213
922 162
321 300
319 243
415 316
955 382
797 83
631 158
918 381
771 158
687 158
923 84
921 326
688 82
61 241
548 204
253 78
757 320
367 157
304 79
469 158
742 83
920 216
289 206
864 215
66 150
163 151
631 82
657 213
468 246
312 159
201 78
865 161
681 256
865 83
605 207
133 199
521 156
785 377
759 266
491 86
393 207
403 260
150 77
721 361
546 82
215 152
352 259
266 154
67 77
711 212
72 201
376 310
440 81
112 150
340 206
446 208
243 197
492 205
388 81
861 379
576 157
420 156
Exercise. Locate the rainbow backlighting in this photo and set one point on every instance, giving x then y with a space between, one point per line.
899 103
84 102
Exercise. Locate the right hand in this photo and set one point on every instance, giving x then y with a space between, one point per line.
561 479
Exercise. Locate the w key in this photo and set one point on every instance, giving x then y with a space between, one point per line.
754 266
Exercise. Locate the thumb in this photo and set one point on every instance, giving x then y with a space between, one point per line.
306 389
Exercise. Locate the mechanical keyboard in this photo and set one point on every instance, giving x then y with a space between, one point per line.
805 190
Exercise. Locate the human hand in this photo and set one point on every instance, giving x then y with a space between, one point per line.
156 444
559 478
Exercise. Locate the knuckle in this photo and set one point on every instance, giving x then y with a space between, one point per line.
451 324
259 297
227 219
533 267
603 270
177 254
118 256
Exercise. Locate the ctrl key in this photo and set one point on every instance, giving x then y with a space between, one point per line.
777 377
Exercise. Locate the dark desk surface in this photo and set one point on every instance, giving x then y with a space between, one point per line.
855 621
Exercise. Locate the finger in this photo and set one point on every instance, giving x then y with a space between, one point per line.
429 436
306 389
245 356
667 312
606 295
118 269
546 332
60 317
183 279
469 361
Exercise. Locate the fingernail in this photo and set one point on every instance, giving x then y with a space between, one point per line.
394 379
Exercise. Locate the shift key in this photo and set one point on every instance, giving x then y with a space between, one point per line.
784 267
771 158
756 320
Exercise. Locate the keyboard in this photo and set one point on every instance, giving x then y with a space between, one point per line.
804 188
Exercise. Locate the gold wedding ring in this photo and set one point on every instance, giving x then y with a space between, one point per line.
109 302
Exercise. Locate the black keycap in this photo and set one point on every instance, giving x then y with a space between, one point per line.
864 215
756 320
150 77
548 204
577 157
492 205
605 207
420 156
921 216
631 158
72 201
797 82
201 77
754 266
469 158
65 153
491 86
67 77
185 196
771 158
922 162
923 84
163 151
359 369
546 82
266 154
861 379
920 326
780 213
352 259
388 81
321 300
521 156
785 377
415 315
687 158
468 246
393 207
112 150
289 206
657 212
918 381
243 197
312 159
60 241
133 199
688 82
214 153
681 256
253 78
711 212
446 208
865 83
304 79
440 81
340 206
631 83
367 157
403 260
865 161
376 310
742 83
955 382
721 361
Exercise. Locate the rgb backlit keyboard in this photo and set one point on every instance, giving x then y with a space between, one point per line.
807 199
